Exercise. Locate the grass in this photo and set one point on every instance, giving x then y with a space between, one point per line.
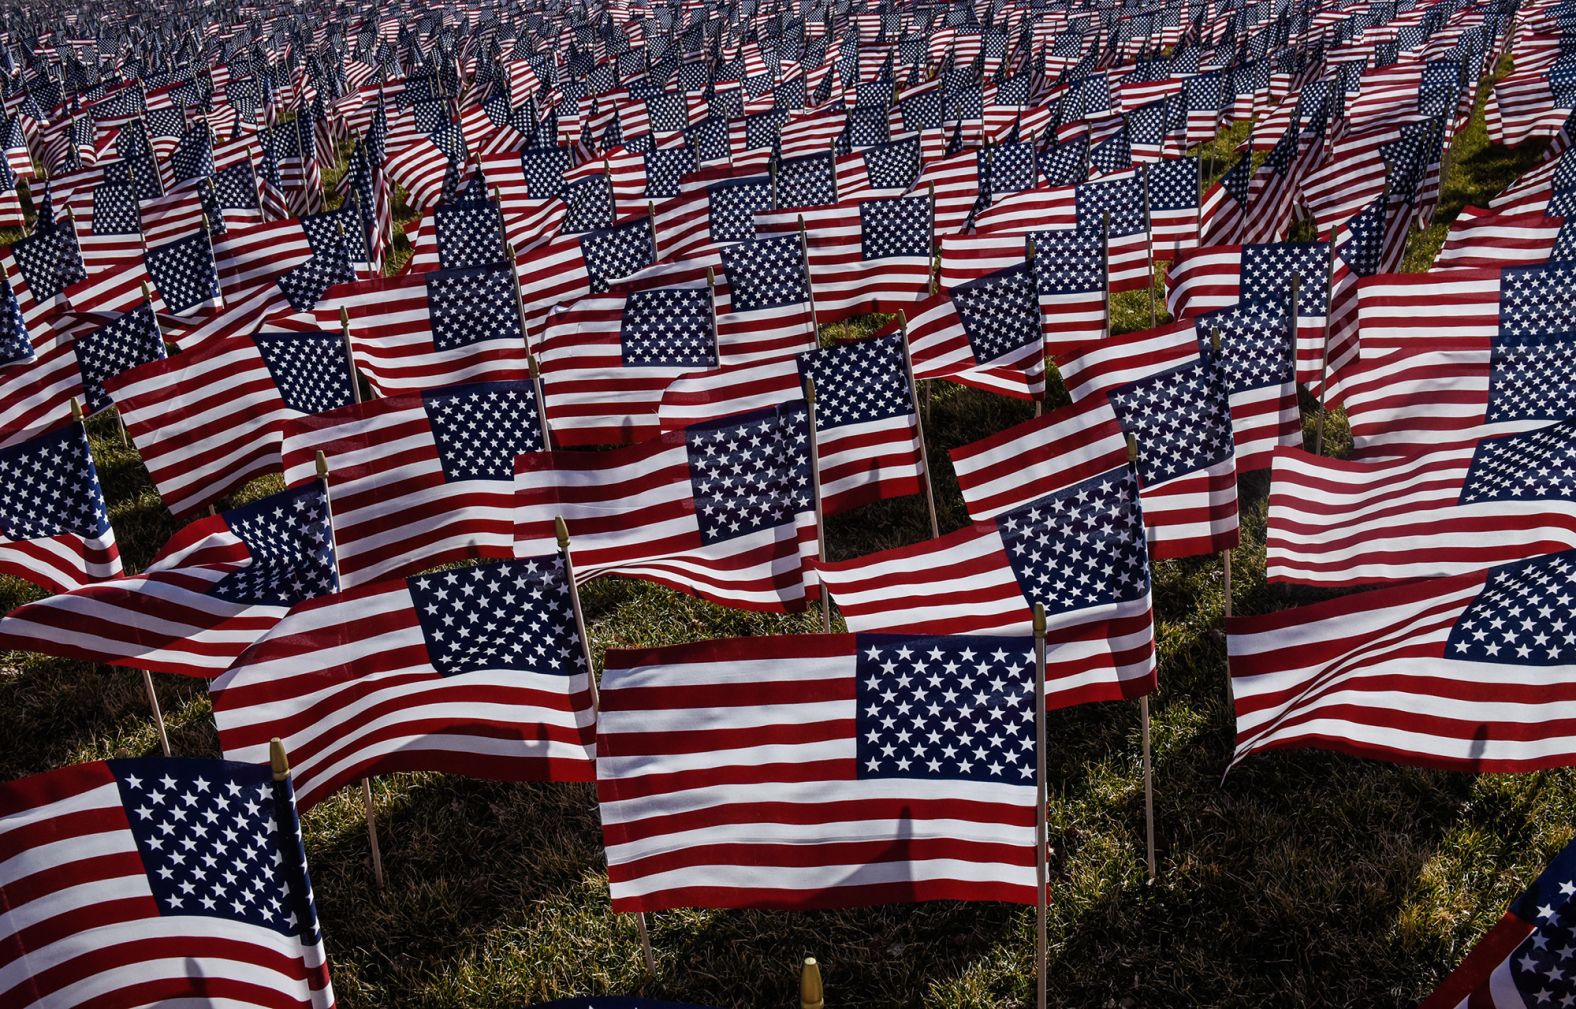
1303 879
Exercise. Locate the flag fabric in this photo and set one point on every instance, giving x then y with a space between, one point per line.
213 589
421 479
38 268
1071 284
1459 508
1440 672
54 524
476 671
1521 960
985 334
723 509
209 420
421 330
841 770
573 266
1482 239
113 896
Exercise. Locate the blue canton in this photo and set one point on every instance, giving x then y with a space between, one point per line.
1011 168
309 369
128 340
544 170
1067 163
1535 465
1068 262
858 382
1364 243
49 260
766 273
1267 271
115 210
184 272
15 344
1080 547
957 708
218 839
1173 184
1122 199
1541 968
900 226
473 305
923 111
893 165
1535 351
512 614
665 170
809 181
291 547
667 113
709 139
734 205
49 486
614 253
1000 312
469 234
1255 344
480 428
749 472
590 205
669 327
1521 617
1181 418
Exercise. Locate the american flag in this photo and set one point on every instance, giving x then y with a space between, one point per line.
56 530
1079 551
1358 248
209 420
984 334
1523 960
867 444
420 330
185 274
213 589
1459 508
1114 203
114 889
722 509
420 479
1070 282
606 361
895 769
1174 209
1481 239
574 266
106 351
476 671
464 235
1448 673
38 269
421 167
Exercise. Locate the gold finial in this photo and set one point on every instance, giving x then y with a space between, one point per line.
277 757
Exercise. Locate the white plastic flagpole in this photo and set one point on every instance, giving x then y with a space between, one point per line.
1041 827
919 426
366 783
1143 719
820 525
561 528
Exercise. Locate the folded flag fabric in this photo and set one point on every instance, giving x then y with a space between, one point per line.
213 589
724 509
818 771
54 524
1340 524
1521 961
476 671
1468 673
419 480
157 881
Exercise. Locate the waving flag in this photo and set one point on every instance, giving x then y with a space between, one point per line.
1482 239
54 525
110 896
574 266
213 589
722 509
477 671
1521 961
984 334
1442 672
209 420
38 269
843 770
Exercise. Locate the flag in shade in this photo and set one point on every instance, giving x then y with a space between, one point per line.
54 525
1468 673
1459 508
209 420
1524 959
722 509
476 671
157 881
819 771
419 479
213 589
1079 551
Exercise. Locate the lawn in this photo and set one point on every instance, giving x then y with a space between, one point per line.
1300 880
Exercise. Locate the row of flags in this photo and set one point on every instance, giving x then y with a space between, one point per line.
627 229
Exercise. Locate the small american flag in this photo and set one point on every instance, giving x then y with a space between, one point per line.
984 334
1473 688
54 525
420 479
213 589
121 892
723 509
574 266
38 269
476 671
185 274
897 769
106 351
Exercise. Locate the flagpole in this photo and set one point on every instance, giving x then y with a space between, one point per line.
561 529
1041 827
1226 554
919 425
147 677
812 994
804 258
1105 266
820 524
366 783
1028 259
1143 720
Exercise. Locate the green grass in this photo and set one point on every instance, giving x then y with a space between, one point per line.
1303 879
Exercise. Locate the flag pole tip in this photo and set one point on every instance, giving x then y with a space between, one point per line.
322 465
277 758
561 530
811 993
